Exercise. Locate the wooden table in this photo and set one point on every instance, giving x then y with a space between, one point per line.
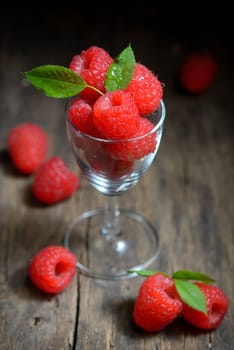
187 193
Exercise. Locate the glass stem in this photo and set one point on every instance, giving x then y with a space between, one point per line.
111 224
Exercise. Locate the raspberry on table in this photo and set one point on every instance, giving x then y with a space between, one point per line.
27 144
52 269
54 181
146 89
157 303
92 65
197 72
216 304
115 115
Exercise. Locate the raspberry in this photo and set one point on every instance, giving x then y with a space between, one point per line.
27 145
52 269
54 181
146 89
135 149
80 114
216 304
197 72
157 303
116 115
102 163
92 65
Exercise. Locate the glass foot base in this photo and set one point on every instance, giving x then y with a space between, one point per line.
99 256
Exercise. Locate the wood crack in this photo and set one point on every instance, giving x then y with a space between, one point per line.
75 332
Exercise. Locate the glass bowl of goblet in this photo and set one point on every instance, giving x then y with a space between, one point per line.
117 240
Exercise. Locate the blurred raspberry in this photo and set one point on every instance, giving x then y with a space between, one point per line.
197 72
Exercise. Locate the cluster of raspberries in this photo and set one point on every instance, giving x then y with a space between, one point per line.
115 115
28 148
157 303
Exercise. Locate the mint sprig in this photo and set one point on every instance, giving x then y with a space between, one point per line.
61 82
120 72
188 291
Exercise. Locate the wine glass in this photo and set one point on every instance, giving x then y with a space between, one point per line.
116 240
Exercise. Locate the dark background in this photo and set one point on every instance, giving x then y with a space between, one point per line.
53 32
80 24
161 34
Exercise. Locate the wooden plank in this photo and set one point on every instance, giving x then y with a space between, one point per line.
27 315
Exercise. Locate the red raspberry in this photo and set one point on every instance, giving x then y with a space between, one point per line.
92 65
157 303
80 114
52 269
105 165
216 304
54 181
197 72
137 149
27 145
146 89
116 115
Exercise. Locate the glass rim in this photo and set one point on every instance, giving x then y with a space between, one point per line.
98 139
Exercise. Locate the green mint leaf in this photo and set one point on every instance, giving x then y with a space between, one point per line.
192 275
191 295
55 81
120 72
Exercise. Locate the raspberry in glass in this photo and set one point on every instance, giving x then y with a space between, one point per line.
92 65
146 89
116 115
135 149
